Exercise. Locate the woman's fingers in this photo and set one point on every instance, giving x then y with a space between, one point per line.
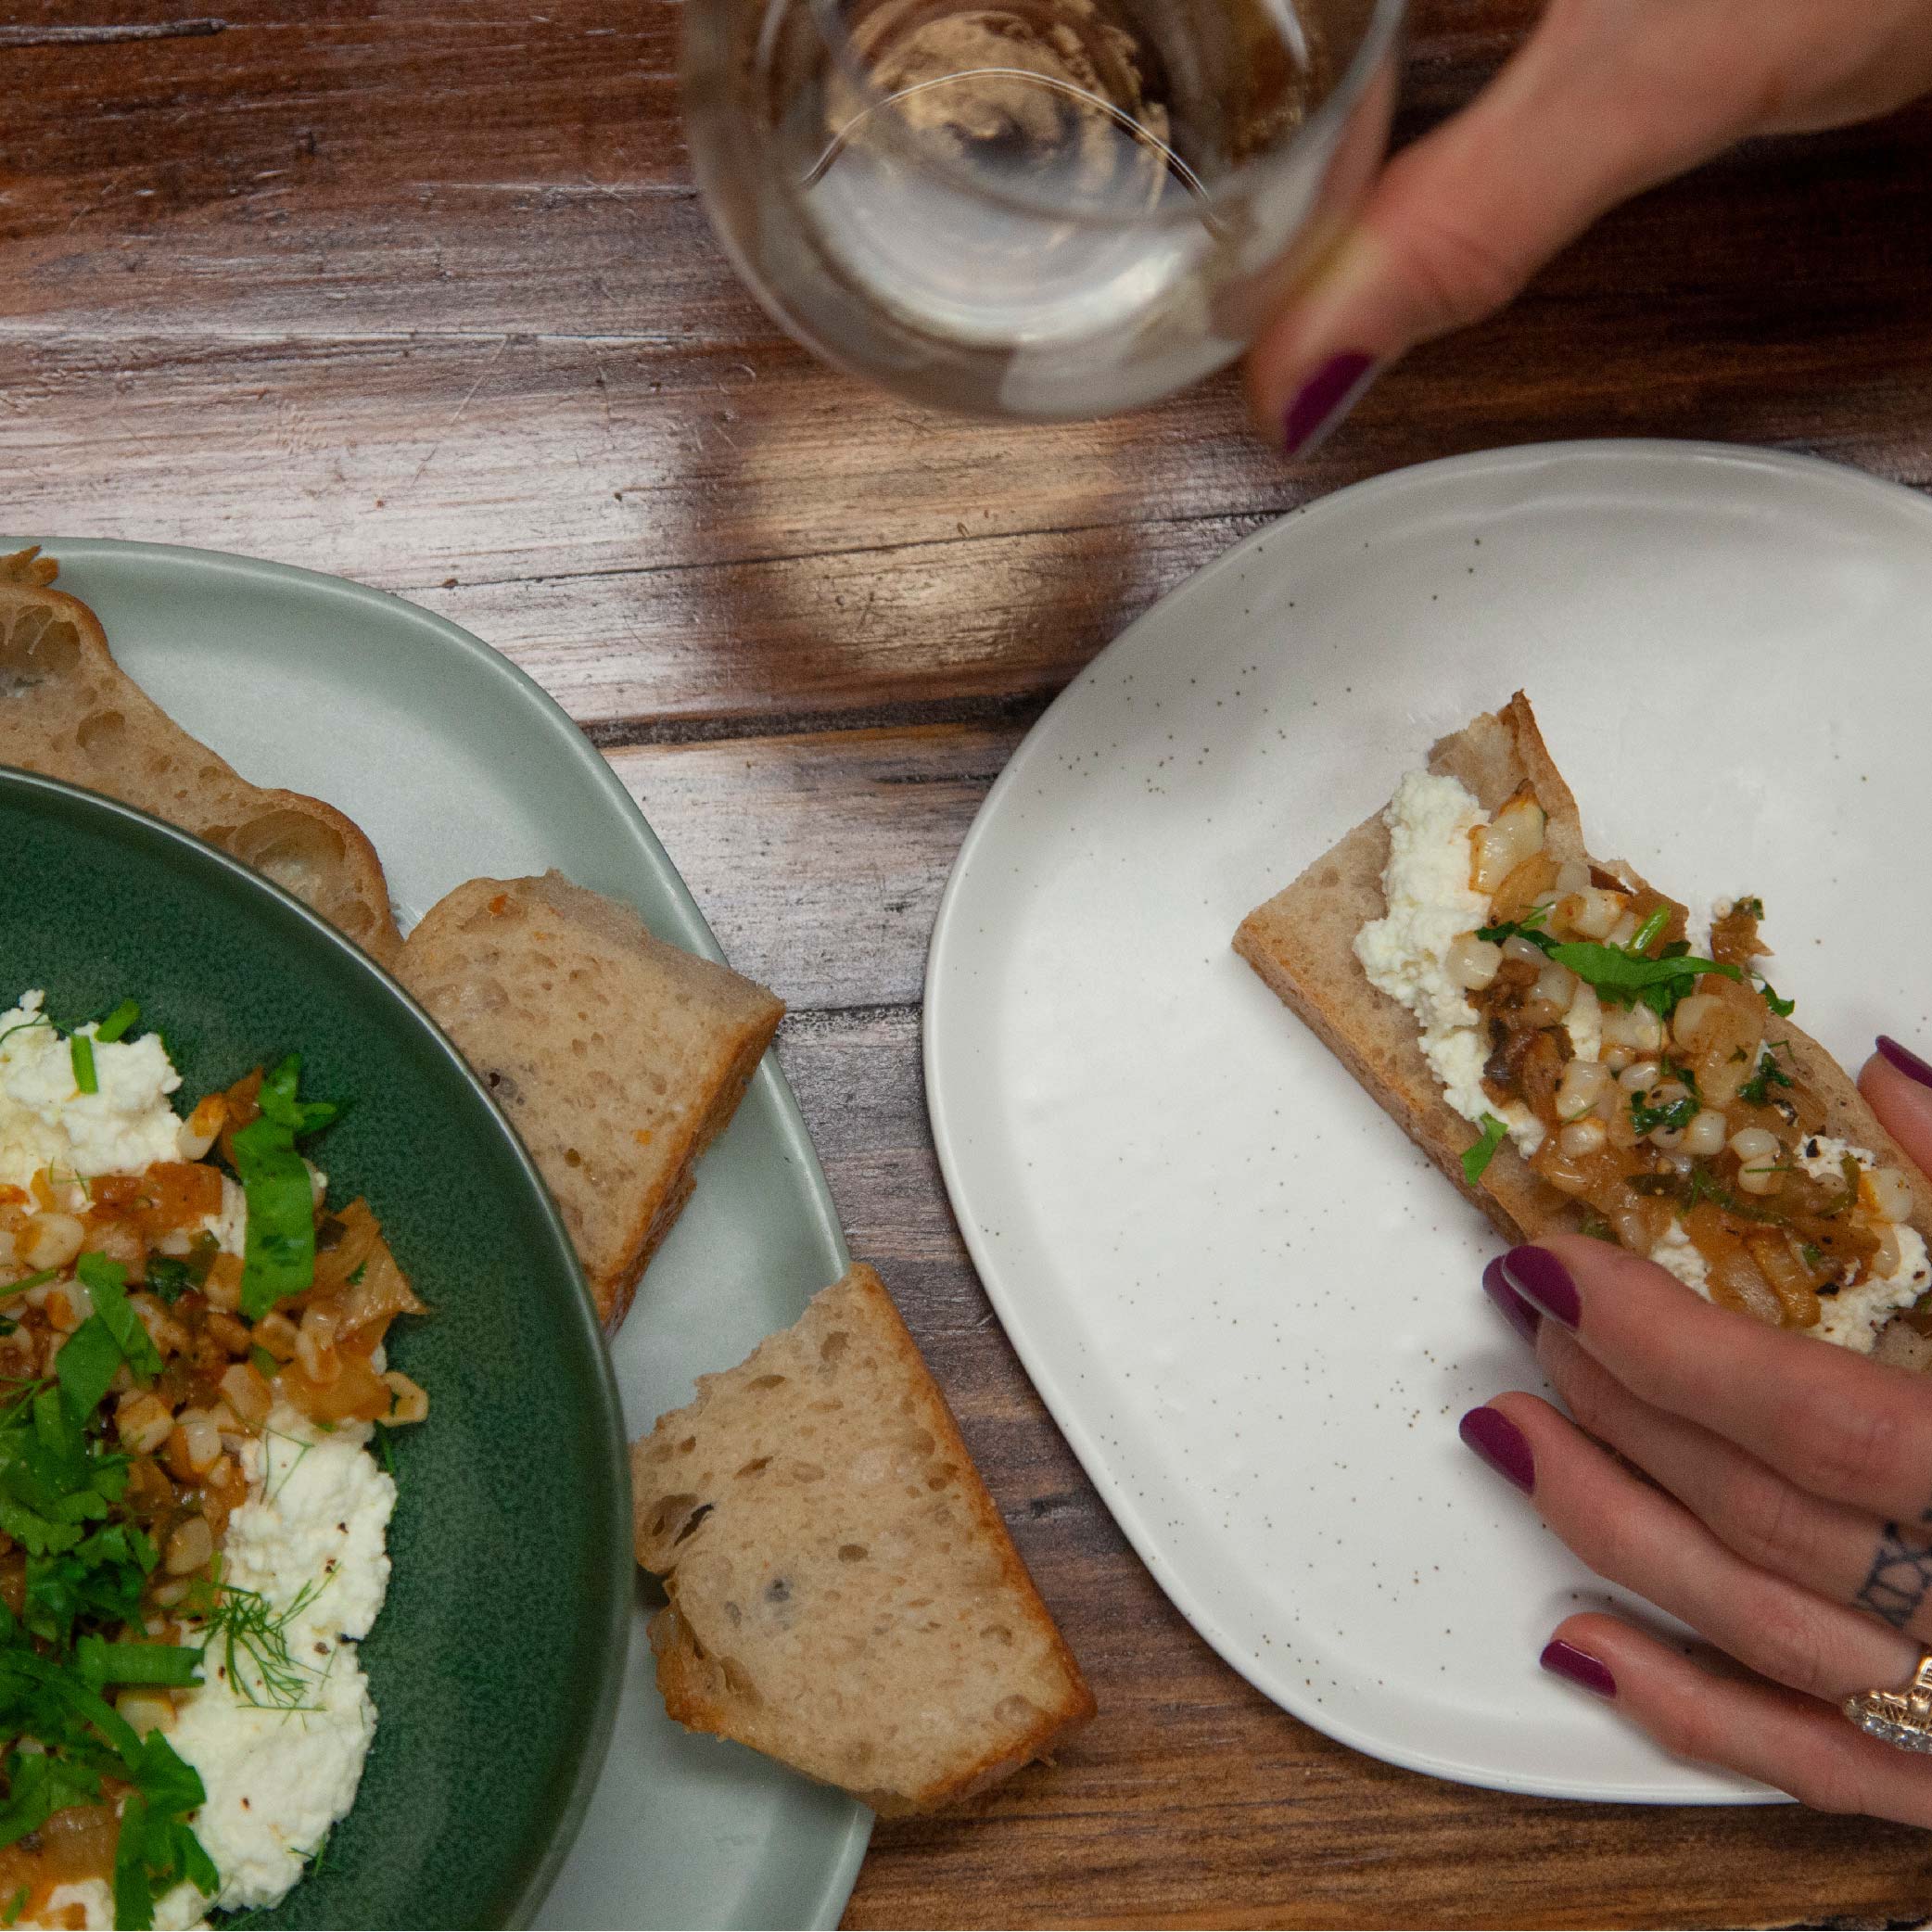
1601 101
1838 1553
1842 1427
1790 1741
1897 1086
1637 1536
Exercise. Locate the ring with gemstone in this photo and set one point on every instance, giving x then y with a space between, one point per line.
1901 1718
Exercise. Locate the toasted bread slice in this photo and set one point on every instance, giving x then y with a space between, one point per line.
69 711
616 1057
843 1596
1301 941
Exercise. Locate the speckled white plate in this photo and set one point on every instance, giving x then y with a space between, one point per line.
1249 1302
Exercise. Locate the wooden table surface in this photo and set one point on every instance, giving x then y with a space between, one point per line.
424 296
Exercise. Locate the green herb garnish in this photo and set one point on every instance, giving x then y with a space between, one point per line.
111 1335
253 1640
1672 1114
280 1249
1477 1159
1756 1091
99 1662
1624 975
15 1906
81 1052
1648 934
116 1023
26 1281
1782 1008
25 1026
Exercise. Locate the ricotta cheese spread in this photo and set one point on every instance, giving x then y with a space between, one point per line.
1679 1255
280 1749
1431 903
46 1121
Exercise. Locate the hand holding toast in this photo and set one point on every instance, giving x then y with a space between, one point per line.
1786 1516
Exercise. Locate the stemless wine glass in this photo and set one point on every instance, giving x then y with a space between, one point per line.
1034 207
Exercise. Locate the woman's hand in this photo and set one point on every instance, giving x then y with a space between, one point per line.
1605 98
1787 1518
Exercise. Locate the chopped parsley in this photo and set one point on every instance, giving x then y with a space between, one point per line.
170 1275
1756 1091
279 1260
92 1356
1475 1162
1626 975
1782 1008
58 1484
26 1281
14 1908
1751 908
79 1050
1671 1114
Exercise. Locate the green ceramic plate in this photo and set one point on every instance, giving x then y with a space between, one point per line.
457 764
495 1663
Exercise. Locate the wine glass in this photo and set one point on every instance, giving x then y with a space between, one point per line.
1042 208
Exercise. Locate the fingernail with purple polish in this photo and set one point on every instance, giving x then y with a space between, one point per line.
1517 1312
1501 1444
1905 1060
1539 1277
1323 400
1566 1660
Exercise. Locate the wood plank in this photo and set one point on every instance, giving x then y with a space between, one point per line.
820 858
1192 1799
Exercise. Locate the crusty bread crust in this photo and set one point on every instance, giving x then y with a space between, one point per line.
69 711
1301 941
617 1057
844 1593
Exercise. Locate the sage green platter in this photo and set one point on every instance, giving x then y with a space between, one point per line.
456 764
495 1663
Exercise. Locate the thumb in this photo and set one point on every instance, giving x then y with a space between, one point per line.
1595 108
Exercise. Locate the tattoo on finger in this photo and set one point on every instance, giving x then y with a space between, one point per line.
1899 1580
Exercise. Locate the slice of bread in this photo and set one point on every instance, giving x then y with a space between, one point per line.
69 711
619 1058
1301 941
843 1596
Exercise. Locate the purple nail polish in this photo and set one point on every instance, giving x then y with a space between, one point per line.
1501 1444
1905 1060
1517 1312
1322 401
1566 1660
1539 1277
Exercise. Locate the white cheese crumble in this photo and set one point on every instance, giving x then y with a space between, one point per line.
1426 886
278 1779
46 1121
1681 1256
1853 1316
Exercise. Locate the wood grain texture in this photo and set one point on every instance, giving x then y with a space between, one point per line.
426 297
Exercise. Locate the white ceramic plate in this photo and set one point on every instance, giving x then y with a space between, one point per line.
1249 1301
455 764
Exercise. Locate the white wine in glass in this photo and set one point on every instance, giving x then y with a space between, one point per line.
1034 207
